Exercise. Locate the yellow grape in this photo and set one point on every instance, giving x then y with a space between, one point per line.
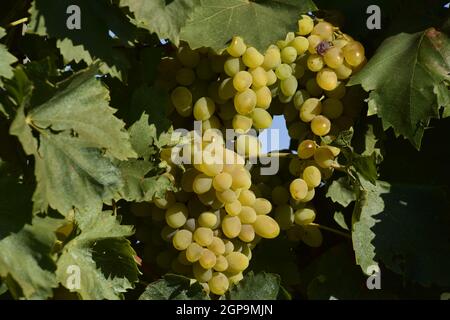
320 126
226 196
327 79
204 108
202 183
218 284
252 58
263 97
315 62
280 195
288 54
304 216
247 198
259 77
229 246
194 252
232 66
247 233
334 57
245 101
242 124
221 263
298 189
247 145
354 53
314 41
311 236
247 215
300 97
231 226
284 216
311 108
212 123
176 215
306 149
207 220
289 86
309 196
200 273
300 44
237 262
217 246
324 157
226 111
313 88
167 201
181 98
271 77
266 227
182 239
332 108
324 30
262 206
283 71
261 119
226 89
203 236
233 208
312 176
305 25
242 80
272 58
237 47
241 179
222 181
344 71
207 259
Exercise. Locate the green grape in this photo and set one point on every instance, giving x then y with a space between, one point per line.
233 208
313 88
300 44
247 198
194 252
252 58
226 196
213 92
247 215
202 183
271 77
334 57
354 53
237 47
182 239
263 97
320 126
182 258
288 54
324 157
298 130
272 58
304 216
188 57
242 81
232 66
204 108
248 146
222 181
259 76
289 86
216 62
167 201
315 63
280 195
337 93
309 196
300 97
261 119
262 206
340 43
181 98
285 100
229 246
203 236
332 108
212 123
176 215
327 79
242 124
306 149
241 179
218 284
208 259
298 70
334 150
344 71
227 111
167 233
266 227
311 236
283 71
324 30
311 108
298 189
207 220
185 76
314 41
203 70
221 263
200 273
231 226
295 167
237 262
312 176
245 102
305 25
284 216
217 246
226 89
247 233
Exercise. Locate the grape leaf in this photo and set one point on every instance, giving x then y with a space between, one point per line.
104 257
165 19
408 100
174 287
215 22
340 191
142 137
340 220
261 286
26 257
6 60
92 40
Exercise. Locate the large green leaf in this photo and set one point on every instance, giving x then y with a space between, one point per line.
165 18
408 78
26 260
91 41
340 191
174 287
6 60
261 286
260 23
104 257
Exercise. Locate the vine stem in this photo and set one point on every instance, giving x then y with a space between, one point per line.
17 22
331 230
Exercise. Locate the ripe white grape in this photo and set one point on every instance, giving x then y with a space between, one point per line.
194 252
289 86
207 220
327 79
288 54
324 30
283 71
262 206
218 284
324 157
182 239
231 226
242 81
208 259
232 66
272 58
176 215
202 183
263 97
259 77
204 108
237 47
266 227
315 62
300 44
203 236
247 198
245 101
247 145
252 58
247 233
233 208
221 263
311 108
217 246
305 25
306 149
200 273
354 53
298 189
314 41
304 216
247 215
312 176
320 126
261 119
334 57
222 181
237 262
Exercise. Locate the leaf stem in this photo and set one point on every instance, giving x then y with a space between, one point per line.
344 234
17 22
